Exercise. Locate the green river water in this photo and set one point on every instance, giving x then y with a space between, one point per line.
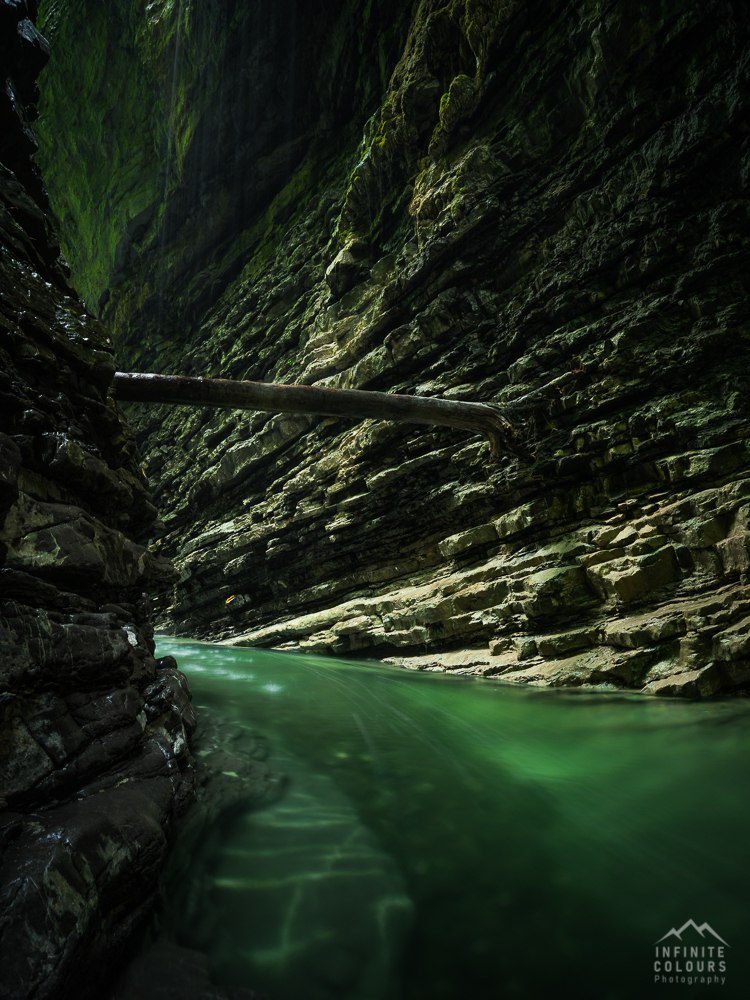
444 838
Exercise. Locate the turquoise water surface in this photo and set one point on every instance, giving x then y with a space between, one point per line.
445 838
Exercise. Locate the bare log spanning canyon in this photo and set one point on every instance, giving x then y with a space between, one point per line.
133 387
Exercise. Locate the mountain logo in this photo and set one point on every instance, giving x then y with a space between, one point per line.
691 923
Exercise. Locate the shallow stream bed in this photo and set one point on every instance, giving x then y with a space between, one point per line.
445 838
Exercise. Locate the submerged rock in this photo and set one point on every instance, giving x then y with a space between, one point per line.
298 899
169 972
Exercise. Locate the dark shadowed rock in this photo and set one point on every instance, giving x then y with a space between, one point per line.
168 972
95 766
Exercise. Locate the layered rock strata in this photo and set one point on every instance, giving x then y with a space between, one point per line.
95 766
547 211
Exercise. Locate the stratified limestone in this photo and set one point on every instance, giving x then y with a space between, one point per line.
564 232
95 767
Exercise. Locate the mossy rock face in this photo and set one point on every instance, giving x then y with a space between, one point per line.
189 120
542 206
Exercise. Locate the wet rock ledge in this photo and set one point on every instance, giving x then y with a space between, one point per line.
95 765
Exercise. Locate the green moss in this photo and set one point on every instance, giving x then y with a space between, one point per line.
288 207
82 139
149 72
125 94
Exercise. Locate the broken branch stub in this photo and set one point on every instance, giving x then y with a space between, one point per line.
483 418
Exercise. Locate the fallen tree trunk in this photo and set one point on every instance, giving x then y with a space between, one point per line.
483 418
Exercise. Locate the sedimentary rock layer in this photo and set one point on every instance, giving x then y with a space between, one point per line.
547 211
95 766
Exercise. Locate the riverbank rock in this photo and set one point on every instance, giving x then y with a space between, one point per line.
537 204
95 766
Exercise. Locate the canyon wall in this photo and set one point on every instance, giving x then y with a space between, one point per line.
537 203
95 767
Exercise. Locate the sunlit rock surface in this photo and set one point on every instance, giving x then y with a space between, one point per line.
540 204
95 766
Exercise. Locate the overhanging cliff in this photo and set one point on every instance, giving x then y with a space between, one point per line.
540 204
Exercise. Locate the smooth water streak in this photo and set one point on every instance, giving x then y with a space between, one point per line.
518 842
